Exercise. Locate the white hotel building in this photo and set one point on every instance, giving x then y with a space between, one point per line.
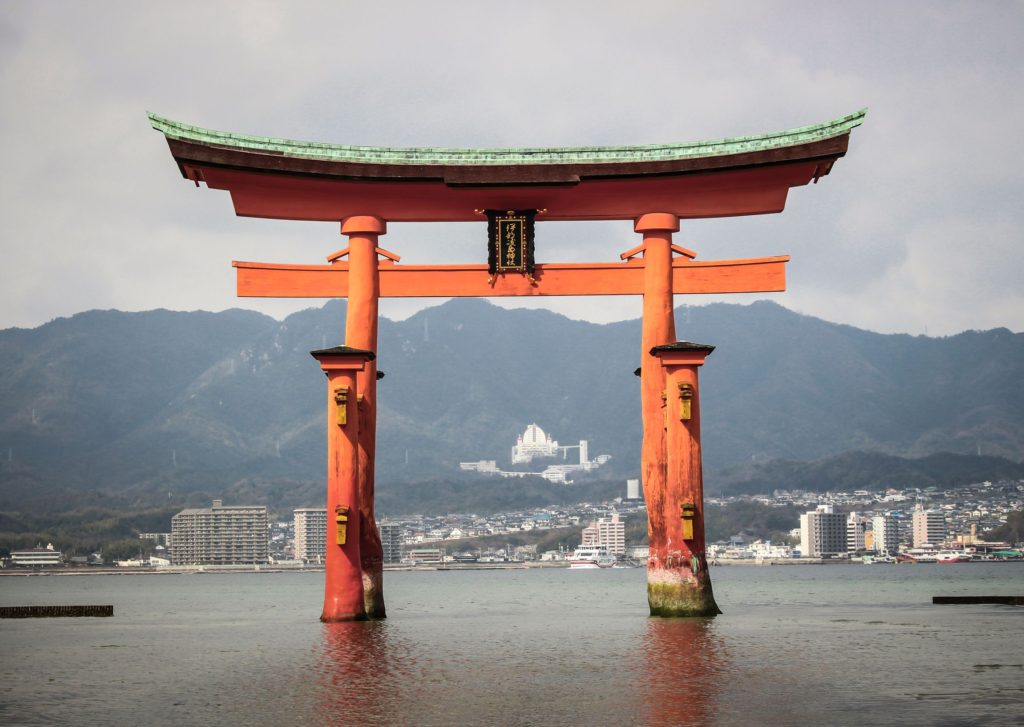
220 535
37 557
823 532
607 531
310 534
929 527
885 531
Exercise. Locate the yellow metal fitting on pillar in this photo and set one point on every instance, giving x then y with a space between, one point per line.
341 405
341 523
685 399
689 513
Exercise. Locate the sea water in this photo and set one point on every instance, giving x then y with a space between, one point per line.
796 645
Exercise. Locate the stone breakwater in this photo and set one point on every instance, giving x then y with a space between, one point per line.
54 611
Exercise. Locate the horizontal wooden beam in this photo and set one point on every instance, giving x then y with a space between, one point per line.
275 280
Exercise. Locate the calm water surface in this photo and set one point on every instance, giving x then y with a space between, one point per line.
832 645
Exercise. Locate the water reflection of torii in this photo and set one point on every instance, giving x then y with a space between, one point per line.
655 186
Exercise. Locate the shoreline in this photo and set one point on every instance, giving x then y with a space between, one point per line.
220 569
397 567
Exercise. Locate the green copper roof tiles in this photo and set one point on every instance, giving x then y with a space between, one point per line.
507 157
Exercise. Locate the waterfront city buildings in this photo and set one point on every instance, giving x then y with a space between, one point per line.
970 511
220 535
311 534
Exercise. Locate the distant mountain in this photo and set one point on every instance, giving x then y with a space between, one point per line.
140 405
872 471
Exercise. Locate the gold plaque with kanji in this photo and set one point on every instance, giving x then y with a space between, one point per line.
510 242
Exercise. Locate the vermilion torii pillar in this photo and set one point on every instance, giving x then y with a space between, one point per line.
678 583
655 186
659 328
361 332
343 580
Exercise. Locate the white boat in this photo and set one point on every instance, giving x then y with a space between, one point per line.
952 556
922 555
592 556
874 559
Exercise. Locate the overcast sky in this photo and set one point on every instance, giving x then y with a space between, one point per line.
917 229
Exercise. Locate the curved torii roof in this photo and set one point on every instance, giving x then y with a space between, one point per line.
288 179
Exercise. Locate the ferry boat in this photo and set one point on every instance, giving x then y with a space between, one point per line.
952 556
921 555
592 556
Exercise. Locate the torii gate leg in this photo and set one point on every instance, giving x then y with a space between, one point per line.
343 583
683 583
659 328
361 332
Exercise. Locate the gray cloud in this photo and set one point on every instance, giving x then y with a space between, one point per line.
918 228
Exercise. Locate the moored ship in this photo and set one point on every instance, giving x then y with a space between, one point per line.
591 556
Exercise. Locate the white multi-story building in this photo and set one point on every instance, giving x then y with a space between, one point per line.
424 555
885 531
311 534
219 535
533 443
391 541
613 534
929 527
822 532
37 557
487 466
856 527
158 538
607 531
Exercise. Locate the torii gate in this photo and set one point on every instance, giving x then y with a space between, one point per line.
655 186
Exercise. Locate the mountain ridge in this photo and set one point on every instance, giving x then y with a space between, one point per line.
163 401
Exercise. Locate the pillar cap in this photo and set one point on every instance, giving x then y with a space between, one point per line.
682 353
363 224
680 346
656 222
344 351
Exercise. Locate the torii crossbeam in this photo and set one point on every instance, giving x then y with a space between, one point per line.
272 280
655 186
